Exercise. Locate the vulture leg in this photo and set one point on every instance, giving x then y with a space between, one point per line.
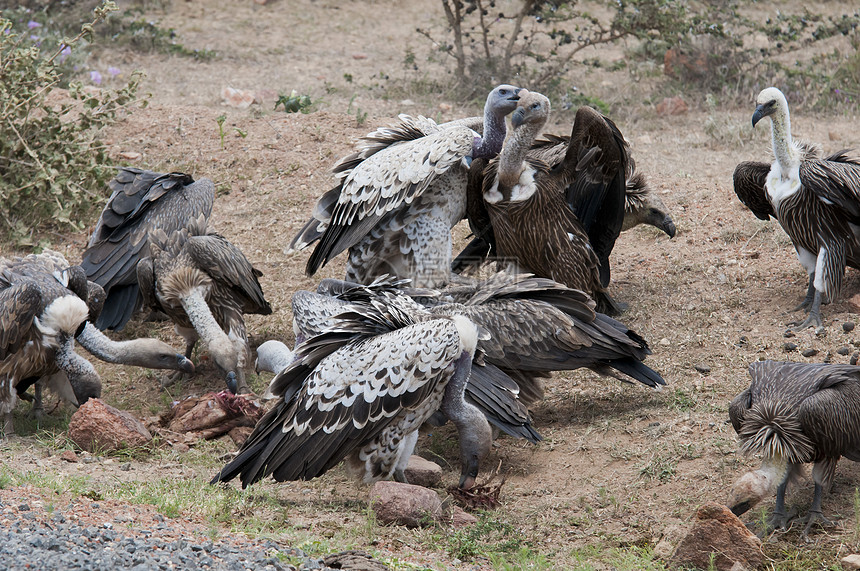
810 295
814 317
407 446
822 475
37 411
779 519
814 516
8 426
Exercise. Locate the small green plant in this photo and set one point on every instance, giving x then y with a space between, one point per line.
294 103
220 119
360 116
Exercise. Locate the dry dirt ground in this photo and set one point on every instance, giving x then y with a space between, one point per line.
620 465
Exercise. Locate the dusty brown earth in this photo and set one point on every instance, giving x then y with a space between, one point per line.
620 465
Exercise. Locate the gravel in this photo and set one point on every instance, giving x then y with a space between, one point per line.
111 535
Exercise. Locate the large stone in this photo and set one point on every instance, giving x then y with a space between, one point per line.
462 518
405 504
423 472
99 427
851 562
718 533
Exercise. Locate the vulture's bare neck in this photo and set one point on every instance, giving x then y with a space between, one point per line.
513 155
491 143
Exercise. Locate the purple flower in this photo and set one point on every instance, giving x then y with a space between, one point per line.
64 53
114 71
96 77
33 24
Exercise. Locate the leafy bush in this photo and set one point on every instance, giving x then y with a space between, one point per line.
742 55
52 165
538 42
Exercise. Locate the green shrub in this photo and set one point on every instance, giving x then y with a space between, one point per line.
53 167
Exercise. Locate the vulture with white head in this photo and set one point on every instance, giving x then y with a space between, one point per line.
39 318
815 200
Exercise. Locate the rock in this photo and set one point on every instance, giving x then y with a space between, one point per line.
129 155
462 518
69 456
718 533
672 535
423 472
850 562
789 334
844 351
354 561
789 347
848 326
99 426
664 342
405 504
704 369
238 98
672 106
854 358
809 352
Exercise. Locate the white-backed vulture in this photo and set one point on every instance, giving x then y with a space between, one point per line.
39 317
792 414
141 202
816 201
360 391
400 194
205 285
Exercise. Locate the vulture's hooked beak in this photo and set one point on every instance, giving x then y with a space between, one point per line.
763 110
740 508
184 364
232 382
518 117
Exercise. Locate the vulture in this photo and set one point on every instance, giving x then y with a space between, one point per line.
400 194
150 353
491 390
641 206
528 202
39 318
205 285
359 391
141 202
815 200
792 414
530 326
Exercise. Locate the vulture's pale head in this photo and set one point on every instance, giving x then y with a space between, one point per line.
768 102
532 108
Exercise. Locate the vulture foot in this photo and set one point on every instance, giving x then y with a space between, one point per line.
780 520
811 519
172 378
812 320
400 476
